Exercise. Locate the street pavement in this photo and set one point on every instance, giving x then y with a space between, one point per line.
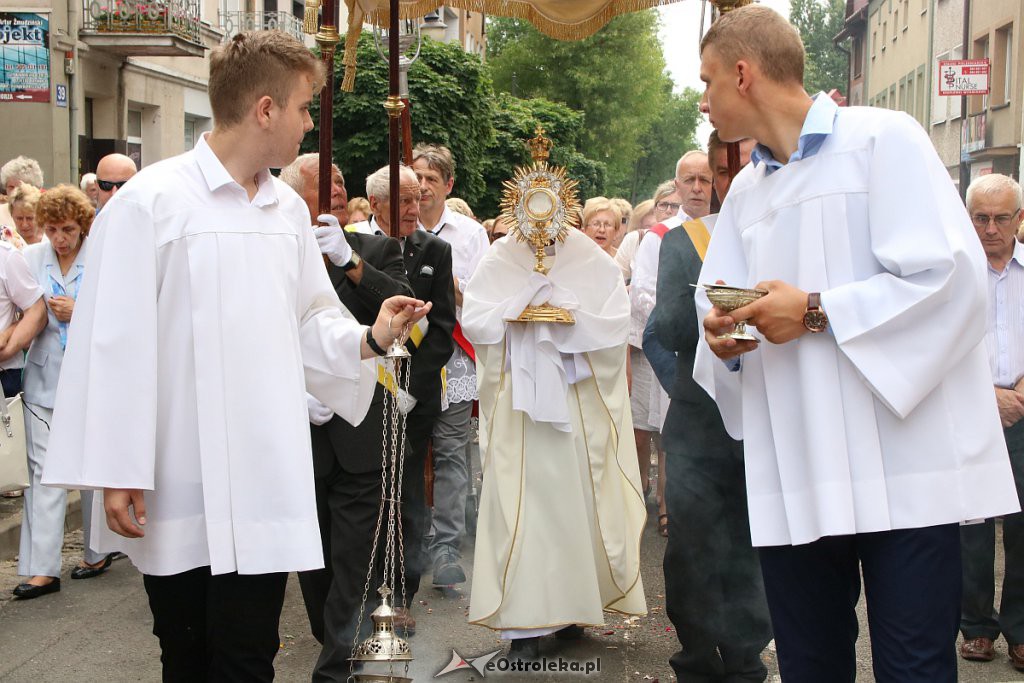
100 629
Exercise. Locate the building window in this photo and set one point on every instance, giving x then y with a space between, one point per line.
921 98
134 137
1002 65
858 57
979 103
902 102
955 103
874 43
893 104
190 133
895 24
906 14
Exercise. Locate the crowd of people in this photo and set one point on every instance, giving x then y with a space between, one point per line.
855 435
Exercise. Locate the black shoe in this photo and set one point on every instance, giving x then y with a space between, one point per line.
447 571
525 649
27 591
89 572
571 632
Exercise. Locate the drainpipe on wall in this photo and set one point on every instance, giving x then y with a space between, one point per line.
72 95
965 166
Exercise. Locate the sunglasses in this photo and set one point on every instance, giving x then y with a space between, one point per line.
108 185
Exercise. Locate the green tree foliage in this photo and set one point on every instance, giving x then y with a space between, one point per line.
451 97
616 78
818 22
453 103
515 121
672 134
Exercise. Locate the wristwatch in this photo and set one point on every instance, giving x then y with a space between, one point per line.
815 319
352 262
372 343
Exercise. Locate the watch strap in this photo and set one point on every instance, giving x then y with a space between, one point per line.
372 343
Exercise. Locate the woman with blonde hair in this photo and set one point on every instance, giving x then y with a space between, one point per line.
640 221
23 211
65 215
358 210
601 223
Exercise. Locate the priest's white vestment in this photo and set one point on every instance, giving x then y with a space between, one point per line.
887 420
561 512
205 319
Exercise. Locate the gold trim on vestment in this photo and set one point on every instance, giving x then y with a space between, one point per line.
640 495
522 480
593 493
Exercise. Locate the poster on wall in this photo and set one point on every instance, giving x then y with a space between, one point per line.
24 57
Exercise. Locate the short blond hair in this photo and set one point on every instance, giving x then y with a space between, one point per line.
640 212
254 64
26 195
664 190
64 203
359 204
762 36
459 205
596 205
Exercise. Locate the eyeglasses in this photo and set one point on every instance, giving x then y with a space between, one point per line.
981 220
108 185
668 206
607 225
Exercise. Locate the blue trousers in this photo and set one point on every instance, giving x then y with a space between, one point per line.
912 582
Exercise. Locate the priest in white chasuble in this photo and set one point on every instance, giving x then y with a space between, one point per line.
561 511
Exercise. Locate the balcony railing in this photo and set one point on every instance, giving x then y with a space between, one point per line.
174 17
233 23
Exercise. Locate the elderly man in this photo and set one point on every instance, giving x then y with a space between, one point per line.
869 422
364 270
428 265
714 595
435 169
649 399
90 188
994 203
113 171
304 173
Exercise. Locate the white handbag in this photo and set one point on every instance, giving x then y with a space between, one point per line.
13 456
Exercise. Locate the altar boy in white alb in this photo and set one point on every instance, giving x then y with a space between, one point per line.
869 421
207 317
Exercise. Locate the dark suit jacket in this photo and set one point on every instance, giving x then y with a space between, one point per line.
675 314
428 265
358 449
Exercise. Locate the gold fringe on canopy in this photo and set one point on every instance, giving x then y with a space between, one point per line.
559 19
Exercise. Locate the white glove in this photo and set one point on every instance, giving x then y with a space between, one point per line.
406 402
319 414
331 238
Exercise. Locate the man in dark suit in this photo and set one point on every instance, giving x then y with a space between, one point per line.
714 594
428 265
347 459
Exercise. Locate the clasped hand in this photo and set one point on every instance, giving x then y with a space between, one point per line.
778 316
332 241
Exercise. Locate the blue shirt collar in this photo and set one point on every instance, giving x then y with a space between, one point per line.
818 125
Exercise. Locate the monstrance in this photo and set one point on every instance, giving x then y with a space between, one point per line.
539 205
